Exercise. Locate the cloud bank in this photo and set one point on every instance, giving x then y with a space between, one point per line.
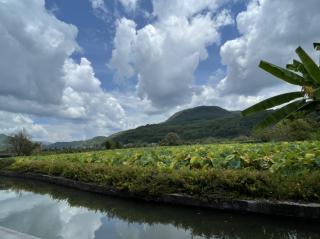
49 84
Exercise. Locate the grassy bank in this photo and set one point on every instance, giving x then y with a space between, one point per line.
284 171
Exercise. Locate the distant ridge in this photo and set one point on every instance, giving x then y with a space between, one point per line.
93 143
192 124
198 113
3 142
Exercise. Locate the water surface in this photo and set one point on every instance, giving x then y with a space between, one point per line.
53 212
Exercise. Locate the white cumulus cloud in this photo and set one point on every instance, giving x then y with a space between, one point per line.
270 30
165 54
129 4
40 79
34 45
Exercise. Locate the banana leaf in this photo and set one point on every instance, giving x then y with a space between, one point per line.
282 73
317 93
311 67
280 114
309 107
316 46
272 102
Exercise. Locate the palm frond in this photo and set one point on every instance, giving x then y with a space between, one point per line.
272 102
311 67
280 114
282 73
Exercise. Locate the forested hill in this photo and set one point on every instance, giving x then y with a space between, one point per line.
93 143
3 142
191 125
194 124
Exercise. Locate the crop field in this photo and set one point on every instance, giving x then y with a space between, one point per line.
280 171
285 157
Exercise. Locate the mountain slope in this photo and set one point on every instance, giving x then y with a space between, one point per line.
93 143
3 142
198 113
194 124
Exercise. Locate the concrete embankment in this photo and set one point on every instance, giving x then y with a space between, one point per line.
6 233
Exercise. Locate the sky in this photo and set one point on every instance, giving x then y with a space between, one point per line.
75 69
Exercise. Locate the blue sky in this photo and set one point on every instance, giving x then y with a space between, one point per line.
79 68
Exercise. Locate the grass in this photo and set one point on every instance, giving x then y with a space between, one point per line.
282 171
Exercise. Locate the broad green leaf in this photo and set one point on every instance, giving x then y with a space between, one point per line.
272 102
311 67
295 66
317 93
282 73
309 107
291 67
280 114
316 46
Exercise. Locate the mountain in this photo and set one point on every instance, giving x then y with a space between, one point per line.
198 113
93 143
3 142
194 124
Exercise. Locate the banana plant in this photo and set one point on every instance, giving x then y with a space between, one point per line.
305 73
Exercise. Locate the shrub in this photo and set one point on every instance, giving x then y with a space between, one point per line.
20 144
171 139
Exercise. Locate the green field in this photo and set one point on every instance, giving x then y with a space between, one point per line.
270 170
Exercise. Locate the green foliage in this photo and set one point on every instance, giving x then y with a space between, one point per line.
271 170
290 130
171 139
193 125
111 144
21 144
305 74
198 157
286 171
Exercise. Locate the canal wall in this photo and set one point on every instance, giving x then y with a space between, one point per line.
260 206
6 233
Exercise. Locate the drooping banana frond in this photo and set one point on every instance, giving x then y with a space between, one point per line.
280 114
316 94
297 66
316 46
309 107
272 102
282 73
311 67
306 74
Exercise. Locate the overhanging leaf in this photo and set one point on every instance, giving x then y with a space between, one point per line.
311 67
280 114
309 107
316 46
272 102
317 93
282 73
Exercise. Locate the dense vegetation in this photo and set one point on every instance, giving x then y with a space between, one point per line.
204 124
199 124
196 124
271 170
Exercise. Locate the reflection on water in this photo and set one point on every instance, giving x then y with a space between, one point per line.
49 211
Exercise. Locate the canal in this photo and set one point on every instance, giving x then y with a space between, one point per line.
52 212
